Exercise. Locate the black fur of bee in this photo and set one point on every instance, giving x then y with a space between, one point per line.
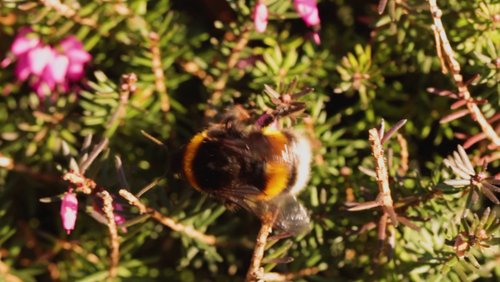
261 169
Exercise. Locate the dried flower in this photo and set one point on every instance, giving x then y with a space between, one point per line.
476 232
69 210
467 177
461 245
260 17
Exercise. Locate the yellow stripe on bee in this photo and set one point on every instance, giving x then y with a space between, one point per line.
189 155
276 171
277 139
276 179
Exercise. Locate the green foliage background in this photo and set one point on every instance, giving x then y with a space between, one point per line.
367 67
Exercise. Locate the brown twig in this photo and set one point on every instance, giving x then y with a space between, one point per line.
403 166
74 247
221 82
107 208
127 87
255 272
68 12
454 67
384 198
291 276
382 176
93 155
9 164
194 69
439 50
169 222
157 68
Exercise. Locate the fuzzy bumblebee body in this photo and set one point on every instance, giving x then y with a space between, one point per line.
258 169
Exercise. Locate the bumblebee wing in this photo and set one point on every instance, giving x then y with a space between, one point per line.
245 197
243 191
291 216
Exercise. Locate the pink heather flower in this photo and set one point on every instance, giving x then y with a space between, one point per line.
69 211
25 41
22 69
57 68
50 68
308 11
77 56
260 17
38 59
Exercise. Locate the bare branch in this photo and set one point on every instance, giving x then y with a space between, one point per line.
68 12
454 68
255 272
93 155
158 71
169 222
220 84
113 232
405 156
393 130
291 276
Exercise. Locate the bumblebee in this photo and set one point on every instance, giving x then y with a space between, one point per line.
261 169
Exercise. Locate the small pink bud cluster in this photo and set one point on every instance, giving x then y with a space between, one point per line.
307 10
45 66
69 210
260 16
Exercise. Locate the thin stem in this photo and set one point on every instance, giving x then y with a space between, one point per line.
9 164
380 167
93 155
403 166
127 87
68 12
382 175
158 71
454 68
113 232
169 222
220 84
255 271
291 276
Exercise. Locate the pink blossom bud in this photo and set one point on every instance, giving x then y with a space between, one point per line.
308 11
119 219
260 17
69 211
316 38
